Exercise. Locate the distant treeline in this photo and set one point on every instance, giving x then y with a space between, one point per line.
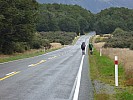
73 18
60 17
109 19
22 20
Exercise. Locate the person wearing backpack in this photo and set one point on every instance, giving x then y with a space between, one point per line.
83 48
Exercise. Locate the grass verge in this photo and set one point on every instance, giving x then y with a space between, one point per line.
29 54
75 40
24 55
102 68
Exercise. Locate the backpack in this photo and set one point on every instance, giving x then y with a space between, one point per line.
83 46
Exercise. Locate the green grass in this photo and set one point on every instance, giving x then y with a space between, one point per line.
124 96
101 97
24 55
30 54
102 68
20 56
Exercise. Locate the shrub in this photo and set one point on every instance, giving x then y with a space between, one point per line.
19 47
12 47
120 39
8 48
131 46
60 37
36 44
45 43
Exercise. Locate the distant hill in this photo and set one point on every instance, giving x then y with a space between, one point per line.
94 6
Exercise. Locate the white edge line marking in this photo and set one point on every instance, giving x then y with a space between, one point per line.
78 78
73 89
75 97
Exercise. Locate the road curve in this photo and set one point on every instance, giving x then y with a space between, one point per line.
51 76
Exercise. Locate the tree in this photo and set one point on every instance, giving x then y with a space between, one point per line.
18 18
69 25
53 16
83 25
109 19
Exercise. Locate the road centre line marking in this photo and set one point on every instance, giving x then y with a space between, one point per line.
52 57
9 75
32 65
42 61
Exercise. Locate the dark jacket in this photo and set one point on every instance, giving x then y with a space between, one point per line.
83 46
90 46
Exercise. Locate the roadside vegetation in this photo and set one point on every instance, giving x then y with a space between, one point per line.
61 17
54 45
22 20
120 43
65 38
102 68
120 39
109 19
23 24
27 54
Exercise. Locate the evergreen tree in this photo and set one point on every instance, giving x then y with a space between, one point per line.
17 19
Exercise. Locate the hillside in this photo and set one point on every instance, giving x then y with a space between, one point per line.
61 17
18 26
109 19
94 6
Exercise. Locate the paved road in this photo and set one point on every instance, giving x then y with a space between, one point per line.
51 76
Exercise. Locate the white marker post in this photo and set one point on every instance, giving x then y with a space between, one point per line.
100 51
116 70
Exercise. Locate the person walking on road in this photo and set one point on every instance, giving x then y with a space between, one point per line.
83 48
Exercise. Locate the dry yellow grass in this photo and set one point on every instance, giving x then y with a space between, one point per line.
32 51
26 52
55 45
125 57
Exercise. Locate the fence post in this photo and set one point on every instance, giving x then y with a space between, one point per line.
116 70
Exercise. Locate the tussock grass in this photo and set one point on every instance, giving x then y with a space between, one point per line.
125 57
102 68
28 54
32 53
101 97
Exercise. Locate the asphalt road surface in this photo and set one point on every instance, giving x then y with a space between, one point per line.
52 76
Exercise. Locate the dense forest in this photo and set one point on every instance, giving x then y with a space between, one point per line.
26 24
109 19
60 17
17 25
